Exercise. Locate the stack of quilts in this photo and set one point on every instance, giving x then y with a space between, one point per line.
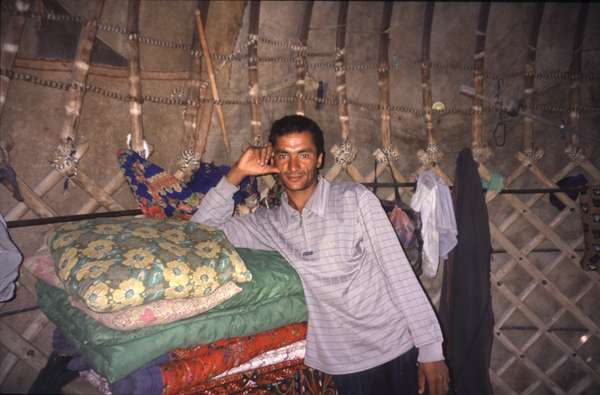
163 305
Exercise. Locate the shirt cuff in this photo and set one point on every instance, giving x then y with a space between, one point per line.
431 353
226 189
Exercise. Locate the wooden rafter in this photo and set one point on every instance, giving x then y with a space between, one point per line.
135 83
301 64
478 68
426 71
255 123
10 47
529 78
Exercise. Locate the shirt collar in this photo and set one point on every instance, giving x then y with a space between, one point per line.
316 204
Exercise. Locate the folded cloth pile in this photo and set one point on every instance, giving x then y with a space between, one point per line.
161 305
273 299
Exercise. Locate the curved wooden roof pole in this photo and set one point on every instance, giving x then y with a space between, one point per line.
255 124
64 154
10 47
345 153
387 154
529 79
79 74
481 152
574 150
196 119
301 57
67 154
383 73
529 154
431 155
8 52
135 84
212 79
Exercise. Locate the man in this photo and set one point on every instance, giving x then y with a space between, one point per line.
368 317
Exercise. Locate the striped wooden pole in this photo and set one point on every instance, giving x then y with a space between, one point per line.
575 71
478 67
340 70
255 123
301 63
426 72
384 74
529 78
79 73
10 47
211 77
135 84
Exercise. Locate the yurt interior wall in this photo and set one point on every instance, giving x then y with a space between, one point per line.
389 78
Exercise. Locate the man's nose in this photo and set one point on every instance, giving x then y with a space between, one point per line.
294 163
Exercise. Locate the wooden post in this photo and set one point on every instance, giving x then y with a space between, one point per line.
204 117
135 84
211 76
10 47
384 74
575 71
426 72
194 84
478 66
301 57
340 70
79 74
255 123
340 77
529 79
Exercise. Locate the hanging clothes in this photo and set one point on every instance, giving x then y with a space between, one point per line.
433 201
406 222
10 259
466 307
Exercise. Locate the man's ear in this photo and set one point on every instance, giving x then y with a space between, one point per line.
320 161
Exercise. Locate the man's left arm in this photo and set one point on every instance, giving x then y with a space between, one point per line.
406 291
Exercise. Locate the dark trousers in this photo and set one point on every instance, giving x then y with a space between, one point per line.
396 377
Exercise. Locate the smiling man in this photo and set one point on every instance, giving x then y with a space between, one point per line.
369 319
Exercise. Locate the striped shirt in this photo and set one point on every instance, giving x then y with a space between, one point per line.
365 304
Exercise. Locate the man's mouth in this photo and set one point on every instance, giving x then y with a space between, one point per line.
295 176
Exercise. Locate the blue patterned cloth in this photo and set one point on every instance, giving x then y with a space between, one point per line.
161 195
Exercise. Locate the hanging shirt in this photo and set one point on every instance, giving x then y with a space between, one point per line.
10 259
365 305
433 201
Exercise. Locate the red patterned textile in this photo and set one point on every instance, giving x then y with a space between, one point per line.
193 366
285 378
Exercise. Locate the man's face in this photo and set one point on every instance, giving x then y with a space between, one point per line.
295 155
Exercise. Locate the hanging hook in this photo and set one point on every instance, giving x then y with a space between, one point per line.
500 134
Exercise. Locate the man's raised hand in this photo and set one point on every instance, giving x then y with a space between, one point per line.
254 161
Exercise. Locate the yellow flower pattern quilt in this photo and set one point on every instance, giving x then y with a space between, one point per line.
110 264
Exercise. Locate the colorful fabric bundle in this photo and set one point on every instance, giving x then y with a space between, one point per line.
194 366
41 266
274 298
110 264
161 195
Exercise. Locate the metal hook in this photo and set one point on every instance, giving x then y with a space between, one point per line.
500 140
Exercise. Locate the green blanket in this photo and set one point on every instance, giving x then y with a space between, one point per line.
272 299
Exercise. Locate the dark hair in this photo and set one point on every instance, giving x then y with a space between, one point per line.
298 123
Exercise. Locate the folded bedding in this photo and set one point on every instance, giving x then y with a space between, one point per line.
41 265
274 298
190 367
110 264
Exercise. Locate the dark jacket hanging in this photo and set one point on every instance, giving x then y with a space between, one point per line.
466 307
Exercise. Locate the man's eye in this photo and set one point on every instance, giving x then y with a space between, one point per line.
305 155
280 156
